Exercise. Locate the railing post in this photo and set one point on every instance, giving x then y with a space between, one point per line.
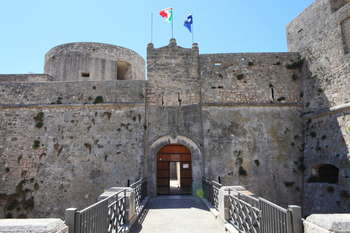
227 204
211 193
69 217
296 218
126 207
130 204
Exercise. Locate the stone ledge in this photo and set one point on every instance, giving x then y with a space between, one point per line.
327 223
232 104
72 106
40 225
329 111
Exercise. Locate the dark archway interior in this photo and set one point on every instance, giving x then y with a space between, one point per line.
174 170
123 70
324 173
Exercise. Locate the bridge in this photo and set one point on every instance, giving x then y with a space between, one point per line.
218 209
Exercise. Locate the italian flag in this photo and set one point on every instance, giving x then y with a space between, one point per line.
167 14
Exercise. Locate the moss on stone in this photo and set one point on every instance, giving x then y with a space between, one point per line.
39 120
36 144
98 100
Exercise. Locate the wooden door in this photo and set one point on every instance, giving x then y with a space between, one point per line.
186 177
174 153
163 177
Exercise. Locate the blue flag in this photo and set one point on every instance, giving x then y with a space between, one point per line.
188 23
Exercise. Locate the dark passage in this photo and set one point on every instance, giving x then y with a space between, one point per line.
174 170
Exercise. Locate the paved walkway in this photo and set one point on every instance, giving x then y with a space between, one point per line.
177 214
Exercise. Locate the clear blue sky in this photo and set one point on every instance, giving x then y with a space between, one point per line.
29 28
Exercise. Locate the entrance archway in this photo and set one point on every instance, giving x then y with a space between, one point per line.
174 170
196 157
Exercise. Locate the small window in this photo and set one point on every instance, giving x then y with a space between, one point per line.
85 74
123 70
324 173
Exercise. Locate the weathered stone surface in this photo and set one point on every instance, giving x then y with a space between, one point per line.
83 92
250 146
319 223
70 159
48 225
250 78
317 35
19 78
69 62
320 34
252 119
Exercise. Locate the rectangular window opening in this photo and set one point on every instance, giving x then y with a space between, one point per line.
85 74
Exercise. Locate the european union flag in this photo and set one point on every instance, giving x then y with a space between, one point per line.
188 23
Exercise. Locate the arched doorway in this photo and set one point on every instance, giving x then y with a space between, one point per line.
174 170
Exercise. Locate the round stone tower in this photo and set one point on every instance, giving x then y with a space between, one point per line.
93 62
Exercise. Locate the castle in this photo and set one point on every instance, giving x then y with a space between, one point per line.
276 123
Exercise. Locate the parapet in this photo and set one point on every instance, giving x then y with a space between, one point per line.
85 61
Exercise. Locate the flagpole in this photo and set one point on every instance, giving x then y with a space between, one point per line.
172 25
151 27
192 31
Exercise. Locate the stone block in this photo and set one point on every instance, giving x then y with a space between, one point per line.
324 223
44 225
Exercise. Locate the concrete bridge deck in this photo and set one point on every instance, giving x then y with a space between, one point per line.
177 214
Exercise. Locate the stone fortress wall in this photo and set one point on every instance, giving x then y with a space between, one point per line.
268 121
61 142
321 34
253 134
173 105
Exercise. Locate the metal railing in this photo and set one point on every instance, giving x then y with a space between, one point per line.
274 218
249 214
244 214
117 212
106 216
211 191
140 189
